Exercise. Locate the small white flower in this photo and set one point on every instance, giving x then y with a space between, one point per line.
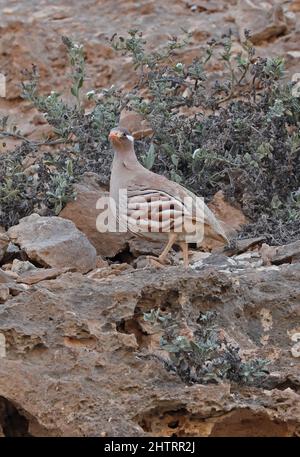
90 93
179 66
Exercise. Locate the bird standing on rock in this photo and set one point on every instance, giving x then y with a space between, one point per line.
157 208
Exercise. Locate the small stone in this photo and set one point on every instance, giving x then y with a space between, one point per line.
54 242
12 249
4 293
40 274
100 262
4 242
4 278
266 20
112 270
20 267
294 54
198 256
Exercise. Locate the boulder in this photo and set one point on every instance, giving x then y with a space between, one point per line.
82 211
265 20
54 242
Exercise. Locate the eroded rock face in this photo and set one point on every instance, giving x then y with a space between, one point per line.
54 242
80 361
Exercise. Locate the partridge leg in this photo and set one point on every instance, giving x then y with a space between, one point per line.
159 261
185 253
163 255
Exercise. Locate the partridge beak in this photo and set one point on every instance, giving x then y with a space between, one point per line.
113 136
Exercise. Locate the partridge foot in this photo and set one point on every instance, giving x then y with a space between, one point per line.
157 262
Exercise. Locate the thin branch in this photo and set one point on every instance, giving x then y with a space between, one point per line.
4 134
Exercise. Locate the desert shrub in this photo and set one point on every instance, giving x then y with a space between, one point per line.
207 357
239 134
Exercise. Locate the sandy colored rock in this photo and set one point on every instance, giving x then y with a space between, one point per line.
4 241
107 271
295 6
80 341
265 20
277 255
232 217
4 278
139 246
83 213
40 274
100 262
54 242
4 293
20 266
24 33
135 123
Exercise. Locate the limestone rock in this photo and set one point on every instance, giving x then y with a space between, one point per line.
85 343
232 218
4 278
4 293
4 241
265 20
135 123
20 267
83 213
109 271
54 242
295 6
288 253
139 246
40 274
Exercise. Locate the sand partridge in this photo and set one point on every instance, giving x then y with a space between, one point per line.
157 208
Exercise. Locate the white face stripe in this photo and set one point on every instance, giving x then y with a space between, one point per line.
130 138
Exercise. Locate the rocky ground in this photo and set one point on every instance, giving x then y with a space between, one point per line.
77 356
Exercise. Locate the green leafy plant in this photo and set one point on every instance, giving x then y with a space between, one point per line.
208 357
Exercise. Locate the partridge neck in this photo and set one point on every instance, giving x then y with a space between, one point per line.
125 158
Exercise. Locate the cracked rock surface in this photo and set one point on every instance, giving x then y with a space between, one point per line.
79 362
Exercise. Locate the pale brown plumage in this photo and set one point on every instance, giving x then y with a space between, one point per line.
158 200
